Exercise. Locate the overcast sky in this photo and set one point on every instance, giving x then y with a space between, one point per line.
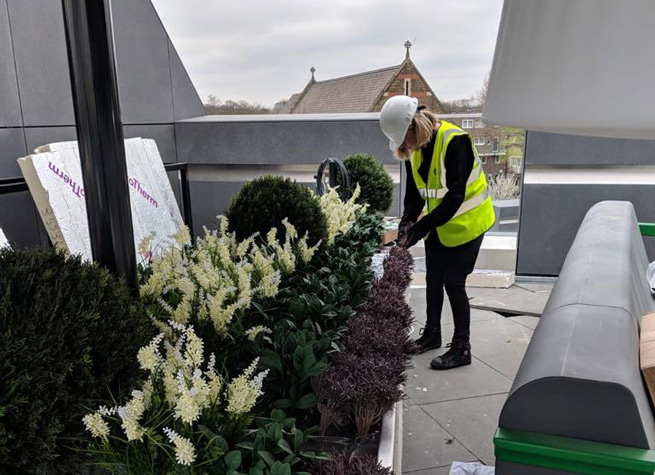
261 50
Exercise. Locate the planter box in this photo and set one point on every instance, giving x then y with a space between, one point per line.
385 443
390 449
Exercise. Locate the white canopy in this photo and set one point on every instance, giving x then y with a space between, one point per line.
584 67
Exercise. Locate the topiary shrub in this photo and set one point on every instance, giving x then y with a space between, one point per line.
69 331
377 185
264 202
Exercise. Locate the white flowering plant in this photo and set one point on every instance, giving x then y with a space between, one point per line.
183 418
213 283
340 215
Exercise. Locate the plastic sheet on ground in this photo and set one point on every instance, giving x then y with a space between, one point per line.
650 275
471 468
376 263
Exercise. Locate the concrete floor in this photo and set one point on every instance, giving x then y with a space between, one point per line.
453 415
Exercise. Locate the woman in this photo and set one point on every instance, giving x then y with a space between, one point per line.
444 176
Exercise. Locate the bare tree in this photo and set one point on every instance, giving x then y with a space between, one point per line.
469 104
277 107
474 103
214 105
481 96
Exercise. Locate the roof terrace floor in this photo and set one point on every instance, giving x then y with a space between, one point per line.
453 415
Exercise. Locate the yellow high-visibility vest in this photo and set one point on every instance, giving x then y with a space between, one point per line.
476 214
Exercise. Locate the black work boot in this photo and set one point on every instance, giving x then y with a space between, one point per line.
459 354
430 339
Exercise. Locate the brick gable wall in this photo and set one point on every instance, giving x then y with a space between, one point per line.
419 89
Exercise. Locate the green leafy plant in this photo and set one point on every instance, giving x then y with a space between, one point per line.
311 313
265 202
376 183
68 332
277 447
297 355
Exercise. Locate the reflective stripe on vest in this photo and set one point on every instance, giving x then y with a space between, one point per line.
468 205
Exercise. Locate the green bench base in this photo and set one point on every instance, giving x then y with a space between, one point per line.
571 455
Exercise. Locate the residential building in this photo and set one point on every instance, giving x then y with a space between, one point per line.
492 142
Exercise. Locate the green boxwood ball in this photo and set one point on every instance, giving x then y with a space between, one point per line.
376 184
264 202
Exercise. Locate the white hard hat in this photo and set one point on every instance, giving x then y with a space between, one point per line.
396 116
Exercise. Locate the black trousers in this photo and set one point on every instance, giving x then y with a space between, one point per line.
448 267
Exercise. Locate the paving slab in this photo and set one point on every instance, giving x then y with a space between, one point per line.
526 320
500 343
515 300
416 299
425 385
538 287
432 471
473 422
426 445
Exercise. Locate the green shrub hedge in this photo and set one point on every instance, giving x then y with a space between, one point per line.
69 331
376 184
264 202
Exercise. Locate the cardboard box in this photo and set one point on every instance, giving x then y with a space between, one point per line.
647 352
390 233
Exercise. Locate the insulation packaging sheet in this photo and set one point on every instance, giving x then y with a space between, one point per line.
3 239
54 176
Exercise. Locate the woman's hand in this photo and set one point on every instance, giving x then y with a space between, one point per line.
403 227
417 232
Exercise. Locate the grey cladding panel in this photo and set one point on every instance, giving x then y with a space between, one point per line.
39 136
42 62
142 63
12 147
186 102
163 135
556 149
276 142
551 215
10 113
210 199
18 219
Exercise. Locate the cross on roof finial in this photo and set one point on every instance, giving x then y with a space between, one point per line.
408 44
312 70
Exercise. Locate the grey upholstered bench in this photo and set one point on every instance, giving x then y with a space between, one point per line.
578 403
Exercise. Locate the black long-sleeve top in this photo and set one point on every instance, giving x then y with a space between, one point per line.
459 161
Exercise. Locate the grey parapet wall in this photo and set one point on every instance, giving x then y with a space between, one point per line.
580 377
507 216
227 151
563 176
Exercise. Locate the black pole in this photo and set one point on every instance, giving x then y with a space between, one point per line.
90 42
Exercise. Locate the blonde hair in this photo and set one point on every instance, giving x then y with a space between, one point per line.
425 123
